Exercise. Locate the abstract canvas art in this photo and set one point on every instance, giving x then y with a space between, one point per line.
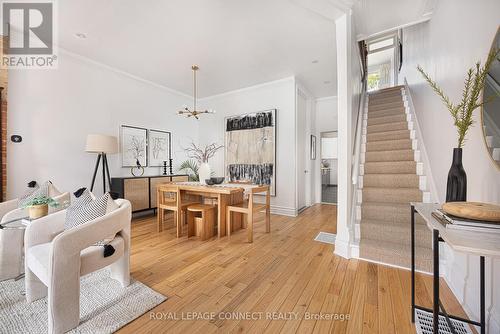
158 148
250 148
133 146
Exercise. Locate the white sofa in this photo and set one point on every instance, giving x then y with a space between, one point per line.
11 241
56 259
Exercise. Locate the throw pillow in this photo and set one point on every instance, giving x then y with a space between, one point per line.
85 208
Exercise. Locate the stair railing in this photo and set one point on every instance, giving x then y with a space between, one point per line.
356 159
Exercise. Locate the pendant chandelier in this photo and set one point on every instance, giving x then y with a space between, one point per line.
194 113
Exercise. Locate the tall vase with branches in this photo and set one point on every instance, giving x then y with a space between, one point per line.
462 114
198 165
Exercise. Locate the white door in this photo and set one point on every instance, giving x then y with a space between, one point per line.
302 149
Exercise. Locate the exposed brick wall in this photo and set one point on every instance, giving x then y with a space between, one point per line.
3 130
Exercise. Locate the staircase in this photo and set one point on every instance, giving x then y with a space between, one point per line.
391 178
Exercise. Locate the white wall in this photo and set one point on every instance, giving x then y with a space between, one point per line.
325 121
54 110
349 90
459 33
278 95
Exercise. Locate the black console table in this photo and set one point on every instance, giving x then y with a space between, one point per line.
141 191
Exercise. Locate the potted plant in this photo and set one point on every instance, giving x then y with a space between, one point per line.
462 112
190 167
202 155
39 206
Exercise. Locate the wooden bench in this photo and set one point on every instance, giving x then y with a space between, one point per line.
201 220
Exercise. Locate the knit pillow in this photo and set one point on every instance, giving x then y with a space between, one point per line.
85 208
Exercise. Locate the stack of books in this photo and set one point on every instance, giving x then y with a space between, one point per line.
453 222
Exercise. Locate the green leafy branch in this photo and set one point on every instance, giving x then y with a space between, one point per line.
462 112
41 200
191 168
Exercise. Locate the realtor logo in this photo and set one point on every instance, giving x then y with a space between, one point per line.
30 30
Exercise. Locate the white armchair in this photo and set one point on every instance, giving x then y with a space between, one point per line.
11 241
55 260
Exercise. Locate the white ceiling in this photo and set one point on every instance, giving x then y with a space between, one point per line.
376 16
236 43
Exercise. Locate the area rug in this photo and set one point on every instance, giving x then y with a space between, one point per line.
104 306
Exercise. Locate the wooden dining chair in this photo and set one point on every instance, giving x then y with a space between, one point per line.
169 199
248 207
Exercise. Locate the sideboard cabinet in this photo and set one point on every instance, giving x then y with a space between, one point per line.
141 191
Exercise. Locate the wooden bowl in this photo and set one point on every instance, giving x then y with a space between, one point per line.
473 210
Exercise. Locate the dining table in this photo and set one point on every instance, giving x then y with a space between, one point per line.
224 194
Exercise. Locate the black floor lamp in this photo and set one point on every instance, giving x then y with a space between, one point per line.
102 145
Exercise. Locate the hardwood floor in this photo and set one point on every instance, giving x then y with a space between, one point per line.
282 274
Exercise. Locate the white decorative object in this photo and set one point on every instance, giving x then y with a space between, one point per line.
202 156
204 172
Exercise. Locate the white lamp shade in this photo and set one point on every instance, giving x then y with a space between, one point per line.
101 144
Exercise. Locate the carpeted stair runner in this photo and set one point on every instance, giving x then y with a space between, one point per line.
389 183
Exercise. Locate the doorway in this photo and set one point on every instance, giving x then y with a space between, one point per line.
329 167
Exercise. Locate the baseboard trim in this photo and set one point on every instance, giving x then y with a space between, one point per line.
342 249
283 211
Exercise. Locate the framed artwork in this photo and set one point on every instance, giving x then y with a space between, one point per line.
250 148
134 146
159 147
313 147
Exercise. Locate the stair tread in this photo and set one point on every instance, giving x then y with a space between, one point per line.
381 204
391 162
391 246
404 150
399 122
384 113
387 141
391 188
419 224
391 175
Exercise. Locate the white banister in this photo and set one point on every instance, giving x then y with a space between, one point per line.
357 139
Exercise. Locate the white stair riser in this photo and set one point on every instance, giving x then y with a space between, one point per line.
422 182
357 230
420 168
